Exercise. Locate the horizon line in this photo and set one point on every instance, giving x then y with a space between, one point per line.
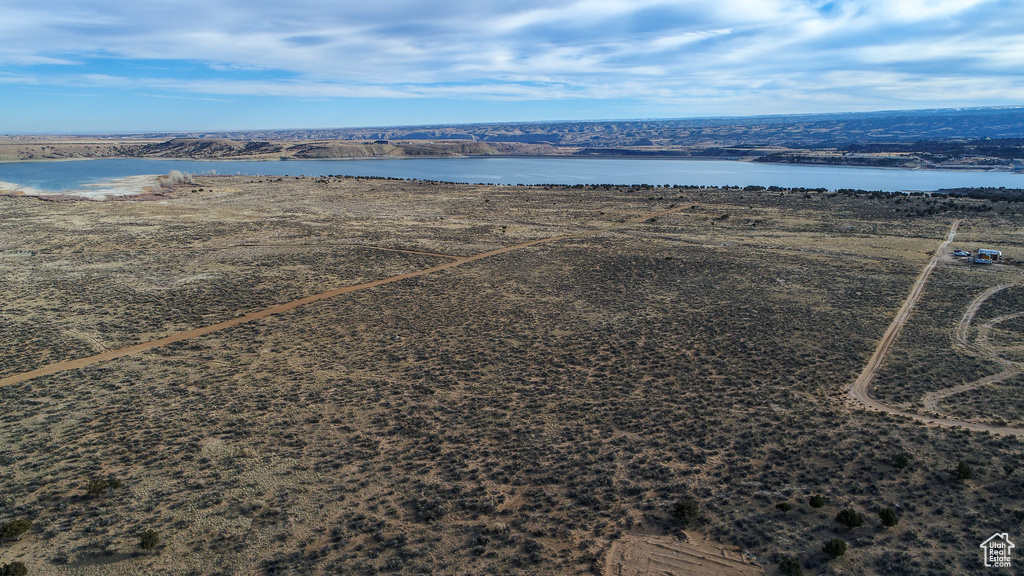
523 122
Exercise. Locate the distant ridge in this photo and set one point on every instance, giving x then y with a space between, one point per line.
947 139
801 130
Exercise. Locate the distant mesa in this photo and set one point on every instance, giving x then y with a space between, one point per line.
956 139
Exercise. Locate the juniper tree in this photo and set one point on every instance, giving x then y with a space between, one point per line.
888 517
13 569
14 529
849 518
686 510
148 540
963 472
790 566
835 548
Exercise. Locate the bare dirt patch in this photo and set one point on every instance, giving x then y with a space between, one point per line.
674 556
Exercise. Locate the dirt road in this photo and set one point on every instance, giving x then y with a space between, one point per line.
980 347
860 388
280 308
962 328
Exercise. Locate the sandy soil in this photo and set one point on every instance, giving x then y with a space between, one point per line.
654 555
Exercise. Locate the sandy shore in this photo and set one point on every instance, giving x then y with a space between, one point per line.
12 189
129 186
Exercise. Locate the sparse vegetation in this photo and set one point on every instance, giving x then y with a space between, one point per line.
518 413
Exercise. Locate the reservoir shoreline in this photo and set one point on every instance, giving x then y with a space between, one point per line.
49 176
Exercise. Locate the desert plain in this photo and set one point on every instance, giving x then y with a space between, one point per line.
481 379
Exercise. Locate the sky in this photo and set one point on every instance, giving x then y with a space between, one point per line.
71 66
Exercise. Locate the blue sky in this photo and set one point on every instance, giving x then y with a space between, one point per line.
72 66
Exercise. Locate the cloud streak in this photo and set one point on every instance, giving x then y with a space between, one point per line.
660 54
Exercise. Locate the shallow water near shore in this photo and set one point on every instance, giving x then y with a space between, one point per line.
81 175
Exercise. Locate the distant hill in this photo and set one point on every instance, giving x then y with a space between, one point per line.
801 131
950 139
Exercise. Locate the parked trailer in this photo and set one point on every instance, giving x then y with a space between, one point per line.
985 256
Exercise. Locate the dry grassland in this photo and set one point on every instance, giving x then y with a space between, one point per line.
538 411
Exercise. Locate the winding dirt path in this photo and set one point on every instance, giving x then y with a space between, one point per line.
963 327
288 306
861 386
980 347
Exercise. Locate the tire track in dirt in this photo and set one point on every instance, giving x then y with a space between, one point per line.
980 347
859 391
931 400
654 555
288 306
964 325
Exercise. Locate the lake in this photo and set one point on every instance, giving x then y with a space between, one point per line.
75 174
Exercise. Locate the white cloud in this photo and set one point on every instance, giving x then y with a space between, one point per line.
917 10
676 41
1010 54
635 49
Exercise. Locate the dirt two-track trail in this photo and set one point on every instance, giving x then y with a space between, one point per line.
288 306
859 390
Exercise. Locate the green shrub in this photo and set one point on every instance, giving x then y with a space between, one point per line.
835 548
888 517
149 539
686 510
849 518
784 506
963 472
13 569
14 529
900 461
790 566
817 501
97 486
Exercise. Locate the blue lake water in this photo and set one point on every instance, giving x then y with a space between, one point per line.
74 174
